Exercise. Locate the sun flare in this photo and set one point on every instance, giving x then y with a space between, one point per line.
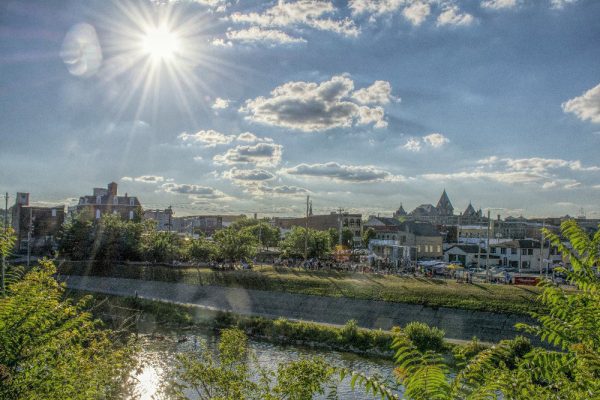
160 43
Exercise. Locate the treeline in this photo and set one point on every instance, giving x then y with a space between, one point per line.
112 239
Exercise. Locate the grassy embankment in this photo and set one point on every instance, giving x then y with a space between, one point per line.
429 292
164 315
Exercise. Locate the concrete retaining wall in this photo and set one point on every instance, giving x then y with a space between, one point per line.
458 324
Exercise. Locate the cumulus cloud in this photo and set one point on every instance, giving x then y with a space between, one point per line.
248 175
251 137
343 173
412 144
261 154
144 179
453 16
548 172
220 104
197 191
310 106
585 107
302 13
209 137
375 7
220 42
499 4
435 140
380 92
417 12
258 34
283 190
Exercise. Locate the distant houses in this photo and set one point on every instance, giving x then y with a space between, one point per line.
107 201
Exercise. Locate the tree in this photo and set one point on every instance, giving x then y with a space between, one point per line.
200 250
51 348
347 237
266 234
235 245
228 374
7 243
367 235
318 243
568 368
160 246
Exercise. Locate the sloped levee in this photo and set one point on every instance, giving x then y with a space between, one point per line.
458 324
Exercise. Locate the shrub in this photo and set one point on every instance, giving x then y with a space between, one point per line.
425 337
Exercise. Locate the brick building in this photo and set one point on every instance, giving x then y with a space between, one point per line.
107 201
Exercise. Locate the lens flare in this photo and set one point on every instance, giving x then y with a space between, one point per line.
160 43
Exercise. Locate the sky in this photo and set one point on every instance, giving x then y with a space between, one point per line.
219 106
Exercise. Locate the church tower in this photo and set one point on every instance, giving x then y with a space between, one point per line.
444 206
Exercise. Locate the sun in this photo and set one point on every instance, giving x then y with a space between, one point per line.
160 43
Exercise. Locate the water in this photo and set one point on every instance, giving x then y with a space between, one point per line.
157 357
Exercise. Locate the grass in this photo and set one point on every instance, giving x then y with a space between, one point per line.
422 291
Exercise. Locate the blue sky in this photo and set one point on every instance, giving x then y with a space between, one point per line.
219 106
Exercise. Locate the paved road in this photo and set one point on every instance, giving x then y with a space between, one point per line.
458 324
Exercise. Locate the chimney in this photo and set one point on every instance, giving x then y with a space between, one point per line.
23 199
112 189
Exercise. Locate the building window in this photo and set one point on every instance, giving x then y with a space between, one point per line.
439 249
132 201
98 214
130 214
524 252
98 199
502 250
530 252
54 212
115 200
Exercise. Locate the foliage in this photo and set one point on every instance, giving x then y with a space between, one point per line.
425 337
50 348
347 237
367 235
7 243
229 374
200 250
266 234
160 246
294 243
235 245
568 368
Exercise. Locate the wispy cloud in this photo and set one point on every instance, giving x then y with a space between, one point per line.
144 179
343 173
207 137
261 154
585 107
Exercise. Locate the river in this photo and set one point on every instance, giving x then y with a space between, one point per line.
157 359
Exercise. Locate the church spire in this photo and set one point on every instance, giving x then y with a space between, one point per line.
444 206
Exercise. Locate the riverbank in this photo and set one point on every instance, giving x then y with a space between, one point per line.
458 324
408 290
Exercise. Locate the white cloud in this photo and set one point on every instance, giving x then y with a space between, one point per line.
251 137
144 179
499 4
585 107
257 34
499 176
412 144
310 106
561 3
220 42
380 92
282 190
194 191
416 12
261 154
375 7
300 13
220 104
435 140
343 173
209 137
453 16
248 175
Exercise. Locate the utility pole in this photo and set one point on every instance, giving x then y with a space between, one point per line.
29 232
340 226
306 230
5 231
170 214
542 248
487 258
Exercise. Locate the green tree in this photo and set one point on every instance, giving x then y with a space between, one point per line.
569 368
51 348
7 243
229 374
367 235
235 245
347 237
160 246
200 250
266 234
318 243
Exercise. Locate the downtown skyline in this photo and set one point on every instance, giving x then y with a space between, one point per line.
224 107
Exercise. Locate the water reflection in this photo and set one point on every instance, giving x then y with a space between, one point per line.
157 357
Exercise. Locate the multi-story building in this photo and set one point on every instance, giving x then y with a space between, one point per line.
324 222
36 227
526 254
205 225
107 201
423 237
163 218
470 255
